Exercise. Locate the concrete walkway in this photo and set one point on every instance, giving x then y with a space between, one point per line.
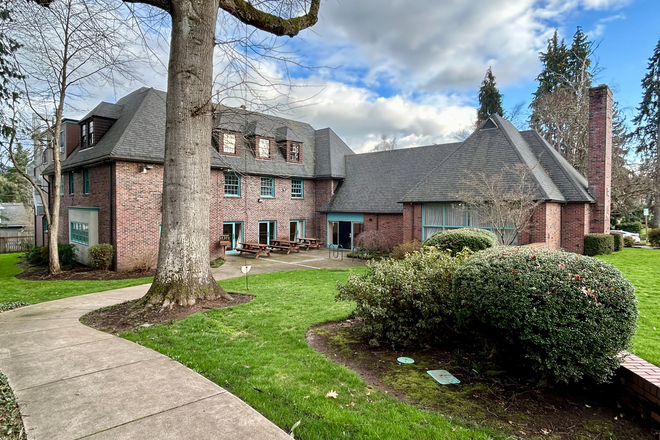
73 382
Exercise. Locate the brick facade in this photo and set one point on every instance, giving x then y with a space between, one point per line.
575 225
99 196
411 223
389 225
545 226
281 208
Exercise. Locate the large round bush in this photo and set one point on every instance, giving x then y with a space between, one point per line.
404 302
457 239
564 316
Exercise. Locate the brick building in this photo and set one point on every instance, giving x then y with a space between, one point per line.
273 177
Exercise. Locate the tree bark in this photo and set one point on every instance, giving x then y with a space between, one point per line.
183 273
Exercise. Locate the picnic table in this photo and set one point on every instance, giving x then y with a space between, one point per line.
284 245
309 242
254 248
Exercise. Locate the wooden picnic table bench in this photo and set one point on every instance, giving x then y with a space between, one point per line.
309 242
254 248
285 245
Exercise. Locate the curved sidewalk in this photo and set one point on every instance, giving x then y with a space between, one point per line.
73 382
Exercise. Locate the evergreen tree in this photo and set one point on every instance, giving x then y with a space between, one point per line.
490 98
560 108
555 67
648 117
648 125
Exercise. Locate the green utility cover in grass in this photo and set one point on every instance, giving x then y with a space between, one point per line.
443 377
405 360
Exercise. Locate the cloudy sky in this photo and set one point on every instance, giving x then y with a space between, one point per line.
413 69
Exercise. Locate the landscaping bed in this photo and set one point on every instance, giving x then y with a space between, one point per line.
78 273
486 395
11 424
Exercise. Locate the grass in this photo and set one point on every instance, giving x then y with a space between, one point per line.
13 289
258 352
640 266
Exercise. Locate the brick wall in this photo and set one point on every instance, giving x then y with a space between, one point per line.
137 212
323 191
575 225
600 157
390 227
640 386
281 208
545 226
411 222
99 197
553 225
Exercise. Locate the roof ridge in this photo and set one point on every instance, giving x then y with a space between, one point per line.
131 121
554 158
520 156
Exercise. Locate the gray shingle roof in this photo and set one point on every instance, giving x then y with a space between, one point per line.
571 183
376 181
15 215
105 110
330 154
487 150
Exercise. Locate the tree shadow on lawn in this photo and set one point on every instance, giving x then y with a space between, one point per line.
487 395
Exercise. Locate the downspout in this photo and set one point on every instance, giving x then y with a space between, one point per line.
412 222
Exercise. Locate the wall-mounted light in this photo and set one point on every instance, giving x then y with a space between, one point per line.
260 200
146 167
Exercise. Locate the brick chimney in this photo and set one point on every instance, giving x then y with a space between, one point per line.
600 157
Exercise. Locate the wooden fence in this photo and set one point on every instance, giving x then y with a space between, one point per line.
15 243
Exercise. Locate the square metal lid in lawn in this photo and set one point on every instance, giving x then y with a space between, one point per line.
443 377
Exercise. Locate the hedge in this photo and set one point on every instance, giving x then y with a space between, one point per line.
456 240
618 241
598 244
563 316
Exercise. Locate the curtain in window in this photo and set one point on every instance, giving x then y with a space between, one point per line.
428 232
433 214
454 215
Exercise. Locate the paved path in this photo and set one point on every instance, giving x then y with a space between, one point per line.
73 382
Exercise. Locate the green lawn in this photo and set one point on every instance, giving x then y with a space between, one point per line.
258 352
13 289
642 268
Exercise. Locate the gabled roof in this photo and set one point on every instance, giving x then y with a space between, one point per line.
490 149
375 182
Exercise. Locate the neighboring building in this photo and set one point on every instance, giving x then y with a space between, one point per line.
14 219
42 158
274 177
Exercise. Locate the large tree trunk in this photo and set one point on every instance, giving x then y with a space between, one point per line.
183 274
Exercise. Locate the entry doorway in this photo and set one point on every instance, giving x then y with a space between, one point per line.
235 232
342 233
296 229
267 231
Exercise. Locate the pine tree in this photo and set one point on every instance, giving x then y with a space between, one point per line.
579 61
648 125
490 98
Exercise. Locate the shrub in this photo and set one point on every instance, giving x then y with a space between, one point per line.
598 244
457 239
38 255
618 241
67 253
372 241
101 255
628 242
404 302
653 237
635 227
143 261
563 316
399 252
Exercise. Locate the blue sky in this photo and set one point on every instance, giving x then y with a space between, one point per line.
413 69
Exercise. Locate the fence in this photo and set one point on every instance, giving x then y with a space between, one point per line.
15 243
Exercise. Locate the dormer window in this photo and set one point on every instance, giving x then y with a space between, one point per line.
294 152
264 149
229 143
87 134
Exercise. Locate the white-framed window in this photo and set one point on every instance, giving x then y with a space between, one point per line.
229 143
264 148
294 152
